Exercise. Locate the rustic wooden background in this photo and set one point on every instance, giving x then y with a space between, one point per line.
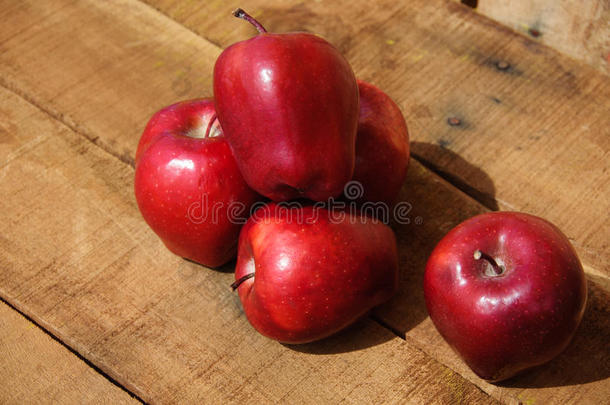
578 28
94 309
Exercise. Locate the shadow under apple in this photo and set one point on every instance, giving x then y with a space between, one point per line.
436 157
228 267
435 208
587 358
360 335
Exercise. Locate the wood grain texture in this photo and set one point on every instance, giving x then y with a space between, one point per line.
456 72
37 369
580 375
80 261
168 329
534 125
104 61
580 29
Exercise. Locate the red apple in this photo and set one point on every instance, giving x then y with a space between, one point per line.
382 147
288 104
304 273
187 184
506 291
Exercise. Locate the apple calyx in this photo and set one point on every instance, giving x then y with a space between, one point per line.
241 280
498 269
239 13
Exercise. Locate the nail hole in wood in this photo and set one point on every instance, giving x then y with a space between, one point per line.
502 65
454 121
471 3
534 32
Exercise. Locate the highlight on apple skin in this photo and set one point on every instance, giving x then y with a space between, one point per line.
303 274
288 104
183 162
507 291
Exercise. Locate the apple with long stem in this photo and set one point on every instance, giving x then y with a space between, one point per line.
288 105
507 292
187 184
304 273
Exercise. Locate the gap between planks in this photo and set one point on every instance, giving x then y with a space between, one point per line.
94 140
549 61
108 151
77 129
128 160
81 357
461 187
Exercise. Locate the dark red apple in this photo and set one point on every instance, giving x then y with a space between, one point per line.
304 273
506 291
382 147
187 184
288 104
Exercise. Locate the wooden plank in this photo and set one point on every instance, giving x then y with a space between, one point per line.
534 125
78 259
37 369
42 55
438 205
580 29
579 375
434 203
167 329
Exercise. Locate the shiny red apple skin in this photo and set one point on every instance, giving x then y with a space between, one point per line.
288 104
314 276
382 146
501 325
175 167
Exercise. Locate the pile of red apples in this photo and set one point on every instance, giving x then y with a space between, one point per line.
260 172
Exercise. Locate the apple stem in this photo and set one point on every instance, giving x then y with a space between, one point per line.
496 267
241 280
239 13
209 128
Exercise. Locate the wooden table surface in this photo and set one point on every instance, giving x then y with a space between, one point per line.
95 309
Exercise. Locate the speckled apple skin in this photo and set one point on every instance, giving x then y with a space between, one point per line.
313 277
177 175
382 146
288 104
501 325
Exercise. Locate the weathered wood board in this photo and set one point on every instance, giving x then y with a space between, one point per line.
511 120
36 366
534 132
580 29
170 330
77 258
